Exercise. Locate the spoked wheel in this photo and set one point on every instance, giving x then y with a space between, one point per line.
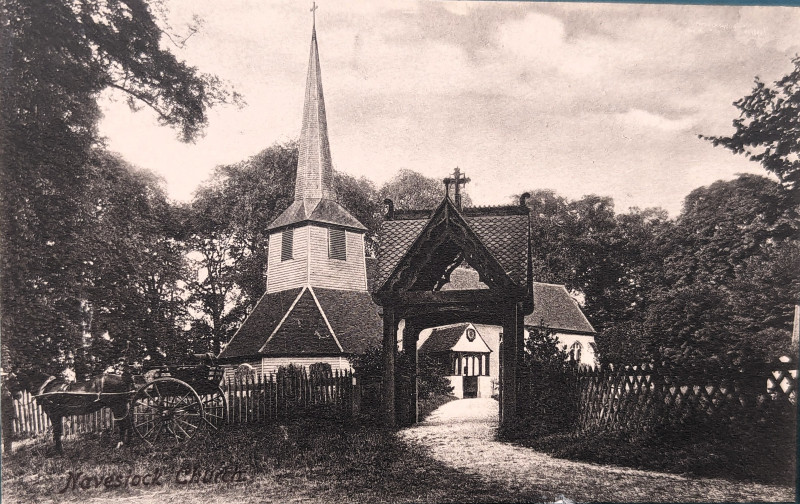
167 411
215 408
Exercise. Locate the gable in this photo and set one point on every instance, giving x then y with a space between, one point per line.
264 318
503 231
453 338
303 330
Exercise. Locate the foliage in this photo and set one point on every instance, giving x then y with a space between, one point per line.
768 129
548 396
431 378
57 224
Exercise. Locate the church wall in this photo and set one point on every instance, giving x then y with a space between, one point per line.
270 365
333 273
283 275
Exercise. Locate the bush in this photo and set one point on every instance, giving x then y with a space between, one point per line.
548 396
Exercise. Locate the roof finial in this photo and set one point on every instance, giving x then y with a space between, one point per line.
314 8
458 179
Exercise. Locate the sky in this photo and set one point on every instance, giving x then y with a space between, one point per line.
580 98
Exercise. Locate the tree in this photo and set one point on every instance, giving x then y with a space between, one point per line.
57 58
768 129
725 224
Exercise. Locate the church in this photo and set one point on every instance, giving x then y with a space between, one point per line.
319 308
316 307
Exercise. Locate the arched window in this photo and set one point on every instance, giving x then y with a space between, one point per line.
576 350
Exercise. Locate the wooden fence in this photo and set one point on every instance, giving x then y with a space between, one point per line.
640 398
249 400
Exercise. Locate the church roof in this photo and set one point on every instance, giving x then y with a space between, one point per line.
308 321
324 211
553 307
314 166
314 196
503 230
443 339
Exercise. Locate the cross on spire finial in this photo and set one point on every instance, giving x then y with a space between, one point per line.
459 179
314 8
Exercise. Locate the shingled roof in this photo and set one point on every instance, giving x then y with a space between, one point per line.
308 321
324 211
503 230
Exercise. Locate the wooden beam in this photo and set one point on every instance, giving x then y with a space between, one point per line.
509 361
414 298
389 350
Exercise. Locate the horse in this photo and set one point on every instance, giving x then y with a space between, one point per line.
59 398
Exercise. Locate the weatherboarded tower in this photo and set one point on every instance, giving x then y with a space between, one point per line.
316 307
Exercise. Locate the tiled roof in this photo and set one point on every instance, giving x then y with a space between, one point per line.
553 306
352 315
442 339
506 237
503 230
264 318
396 236
354 318
303 332
324 211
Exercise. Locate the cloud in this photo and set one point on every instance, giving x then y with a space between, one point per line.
639 119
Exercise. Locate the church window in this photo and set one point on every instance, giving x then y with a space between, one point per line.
287 245
337 244
576 350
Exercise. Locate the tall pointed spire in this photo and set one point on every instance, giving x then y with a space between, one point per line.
314 167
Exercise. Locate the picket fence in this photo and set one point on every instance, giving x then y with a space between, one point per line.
641 398
250 399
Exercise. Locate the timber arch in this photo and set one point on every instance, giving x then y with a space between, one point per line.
418 251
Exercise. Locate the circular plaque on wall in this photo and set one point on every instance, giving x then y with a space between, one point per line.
471 334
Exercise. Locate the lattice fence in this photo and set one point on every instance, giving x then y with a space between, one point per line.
644 397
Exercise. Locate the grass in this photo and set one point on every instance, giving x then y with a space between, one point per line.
312 461
769 458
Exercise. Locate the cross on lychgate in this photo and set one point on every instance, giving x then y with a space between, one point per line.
459 179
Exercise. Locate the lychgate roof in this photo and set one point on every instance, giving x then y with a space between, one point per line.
504 231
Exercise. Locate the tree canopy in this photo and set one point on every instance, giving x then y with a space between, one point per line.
768 128
59 190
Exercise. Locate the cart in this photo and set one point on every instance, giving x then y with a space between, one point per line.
172 404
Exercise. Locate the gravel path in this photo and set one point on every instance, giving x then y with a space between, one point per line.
461 434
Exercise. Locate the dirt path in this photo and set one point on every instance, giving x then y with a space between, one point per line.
461 434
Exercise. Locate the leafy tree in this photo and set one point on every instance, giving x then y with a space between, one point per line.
725 224
768 129
58 57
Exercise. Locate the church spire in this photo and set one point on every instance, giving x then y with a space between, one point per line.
314 167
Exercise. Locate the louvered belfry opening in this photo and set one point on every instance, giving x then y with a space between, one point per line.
337 244
287 244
